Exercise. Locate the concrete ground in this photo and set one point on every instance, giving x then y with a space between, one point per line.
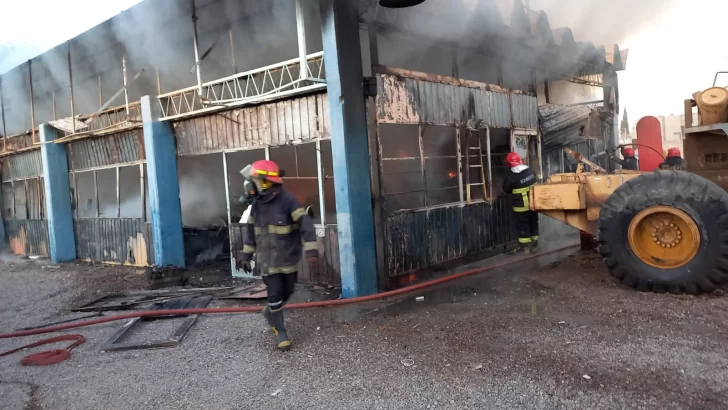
551 333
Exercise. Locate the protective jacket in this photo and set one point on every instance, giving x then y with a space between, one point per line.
276 225
629 163
674 163
518 184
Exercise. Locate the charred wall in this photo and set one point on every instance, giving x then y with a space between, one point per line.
439 193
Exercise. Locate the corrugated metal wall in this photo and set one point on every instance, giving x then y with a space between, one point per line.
23 165
125 241
280 123
416 240
27 236
19 142
114 149
330 266
413 101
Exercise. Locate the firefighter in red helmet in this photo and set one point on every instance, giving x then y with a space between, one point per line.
674 160
630 161
274 230
518 184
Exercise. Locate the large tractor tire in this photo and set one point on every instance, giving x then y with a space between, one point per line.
666 231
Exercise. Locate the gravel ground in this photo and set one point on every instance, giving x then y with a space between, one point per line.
552 333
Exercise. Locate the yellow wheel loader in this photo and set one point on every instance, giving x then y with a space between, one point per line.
662 231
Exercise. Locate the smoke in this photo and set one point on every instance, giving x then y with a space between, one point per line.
157 37
466 31
603 23
202 190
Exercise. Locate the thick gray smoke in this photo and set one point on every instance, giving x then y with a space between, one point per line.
157 36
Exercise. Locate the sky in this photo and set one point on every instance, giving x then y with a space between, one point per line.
670 56
674 57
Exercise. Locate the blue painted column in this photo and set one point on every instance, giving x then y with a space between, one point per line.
349 141
3 244
61 238
164 203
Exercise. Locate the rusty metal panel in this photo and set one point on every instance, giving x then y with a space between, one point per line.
120 148
417 240
525 111
411 101
18 142
27 236
125 241
279 123
396 102
23 165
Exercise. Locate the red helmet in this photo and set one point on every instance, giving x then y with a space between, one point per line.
628 152
673 152
266 170
513 159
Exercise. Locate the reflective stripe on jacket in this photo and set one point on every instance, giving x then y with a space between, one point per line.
275 228
518 184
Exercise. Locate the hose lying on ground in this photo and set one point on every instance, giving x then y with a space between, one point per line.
248 309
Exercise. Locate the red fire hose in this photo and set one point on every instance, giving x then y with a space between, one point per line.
49 356
248 309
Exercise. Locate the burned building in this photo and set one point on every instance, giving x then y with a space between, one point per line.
125 143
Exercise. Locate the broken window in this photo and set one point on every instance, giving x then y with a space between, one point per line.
236 161
108 192
23 199
202 190
84 186
500 146
402 182
439 145
419 170
106 183
301 175
130 195
8 211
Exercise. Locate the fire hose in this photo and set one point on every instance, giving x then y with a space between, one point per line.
58 355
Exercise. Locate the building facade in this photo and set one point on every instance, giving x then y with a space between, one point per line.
124 145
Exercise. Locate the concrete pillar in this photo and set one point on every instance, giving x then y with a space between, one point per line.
3 243
343 63
61 237
164 203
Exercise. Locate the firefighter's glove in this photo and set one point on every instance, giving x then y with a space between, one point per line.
241 264
313 265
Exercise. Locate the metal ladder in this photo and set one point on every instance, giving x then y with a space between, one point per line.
468 183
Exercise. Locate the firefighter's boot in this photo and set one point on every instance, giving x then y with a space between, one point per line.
534 244
266 314
521 249
279 328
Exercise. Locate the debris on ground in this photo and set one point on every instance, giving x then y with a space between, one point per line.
115 343
407 362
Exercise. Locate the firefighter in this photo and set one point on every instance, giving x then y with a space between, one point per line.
674 160
629 162
274 230
518 184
